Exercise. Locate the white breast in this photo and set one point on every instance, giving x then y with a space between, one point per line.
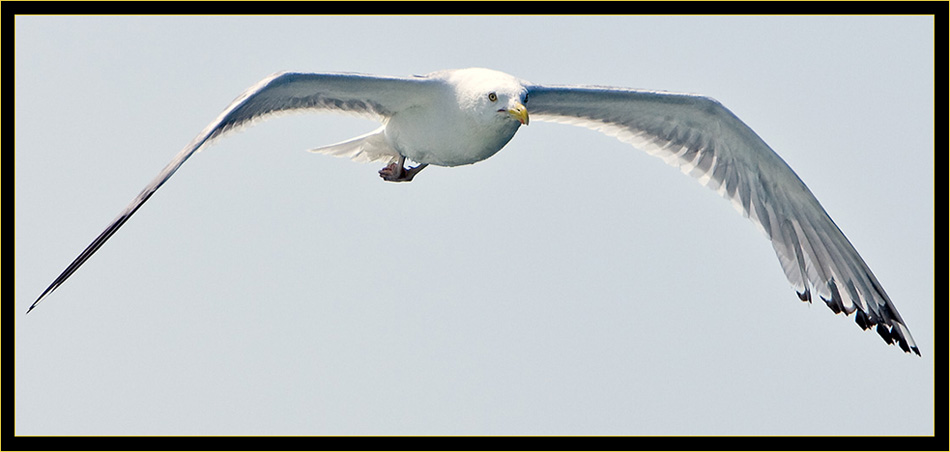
445 134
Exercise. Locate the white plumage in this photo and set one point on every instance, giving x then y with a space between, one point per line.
459 117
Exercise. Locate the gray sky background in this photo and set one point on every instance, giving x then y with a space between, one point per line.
569 285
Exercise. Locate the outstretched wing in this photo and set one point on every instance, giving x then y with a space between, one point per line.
375 97
705 140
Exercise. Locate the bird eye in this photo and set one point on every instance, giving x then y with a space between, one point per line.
492 97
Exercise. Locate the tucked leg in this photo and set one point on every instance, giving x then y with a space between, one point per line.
395 172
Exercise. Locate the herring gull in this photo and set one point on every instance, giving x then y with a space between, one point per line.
459 117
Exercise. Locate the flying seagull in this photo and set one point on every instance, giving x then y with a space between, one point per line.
459 117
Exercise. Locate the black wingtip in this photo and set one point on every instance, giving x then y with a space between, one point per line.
903 343
36 302
43 295
907 348
804 295
862 320
885 333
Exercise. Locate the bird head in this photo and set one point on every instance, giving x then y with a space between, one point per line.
488 91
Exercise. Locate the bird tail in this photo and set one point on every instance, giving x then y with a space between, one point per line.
371 147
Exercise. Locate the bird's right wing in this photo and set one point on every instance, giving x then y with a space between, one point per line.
371 96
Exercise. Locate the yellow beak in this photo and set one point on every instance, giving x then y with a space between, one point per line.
519 112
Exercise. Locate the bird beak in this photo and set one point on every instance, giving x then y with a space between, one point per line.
519 112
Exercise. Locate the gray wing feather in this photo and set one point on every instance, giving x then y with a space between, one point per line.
375 97
706 141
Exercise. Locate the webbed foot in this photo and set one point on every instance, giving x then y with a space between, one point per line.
395 172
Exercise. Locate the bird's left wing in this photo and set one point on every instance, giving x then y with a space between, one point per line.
705 140
375 97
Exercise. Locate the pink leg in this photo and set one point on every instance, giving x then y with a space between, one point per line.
395 172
